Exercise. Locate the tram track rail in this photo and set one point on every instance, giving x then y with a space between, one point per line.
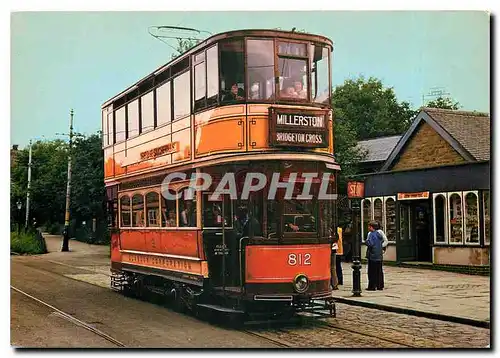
72 319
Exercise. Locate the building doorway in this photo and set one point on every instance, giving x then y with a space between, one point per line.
414 240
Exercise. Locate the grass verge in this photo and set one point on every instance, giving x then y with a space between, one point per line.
27 242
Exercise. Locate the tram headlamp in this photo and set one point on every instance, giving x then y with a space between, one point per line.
301 283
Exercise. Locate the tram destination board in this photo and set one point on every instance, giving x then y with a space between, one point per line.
298 128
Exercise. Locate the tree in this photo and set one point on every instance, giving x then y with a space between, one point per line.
183 45
364 109
444 103
48 180
372 109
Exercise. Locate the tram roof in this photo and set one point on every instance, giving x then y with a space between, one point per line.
222 36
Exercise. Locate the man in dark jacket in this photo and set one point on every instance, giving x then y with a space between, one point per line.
374 255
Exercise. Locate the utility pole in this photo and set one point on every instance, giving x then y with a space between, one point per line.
65 245
28 191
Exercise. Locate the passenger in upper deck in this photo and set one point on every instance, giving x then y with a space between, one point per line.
299 90
236 94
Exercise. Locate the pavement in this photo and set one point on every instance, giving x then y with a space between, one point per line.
429 293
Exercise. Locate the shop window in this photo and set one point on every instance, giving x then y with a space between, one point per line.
125 210
182 95
187 209
486 216
168 212
147 112
320 85
133 118
471 211
440 226
455 218
232 71
212 211
163 105
404 222
378 211
153 209
390 219
120 124
137 210
366 217
260 66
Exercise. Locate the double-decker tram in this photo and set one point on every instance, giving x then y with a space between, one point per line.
221 178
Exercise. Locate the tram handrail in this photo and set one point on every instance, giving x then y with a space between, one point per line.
241 269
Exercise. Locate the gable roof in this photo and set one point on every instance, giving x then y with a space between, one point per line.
470 129
467 132
378 149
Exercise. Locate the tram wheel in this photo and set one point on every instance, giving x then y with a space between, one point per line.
178 303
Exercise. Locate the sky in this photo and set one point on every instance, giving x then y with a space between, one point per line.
64 60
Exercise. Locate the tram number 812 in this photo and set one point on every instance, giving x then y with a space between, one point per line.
299 259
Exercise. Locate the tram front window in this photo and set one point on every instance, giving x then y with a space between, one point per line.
232 64
298 216
260 65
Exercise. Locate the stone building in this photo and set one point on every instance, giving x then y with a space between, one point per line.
432 194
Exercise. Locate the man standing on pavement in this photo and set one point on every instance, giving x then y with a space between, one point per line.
333 266
374 256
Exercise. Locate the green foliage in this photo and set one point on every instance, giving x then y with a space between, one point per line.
444 103
184 45
49 179
364 109
372 110
27 242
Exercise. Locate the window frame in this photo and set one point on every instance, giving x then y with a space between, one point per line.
273 98
277 74
483 204
138 109
147 209
231 204
476 193
384 209
370 199
120 210
449 195
153 109
168 85
446 220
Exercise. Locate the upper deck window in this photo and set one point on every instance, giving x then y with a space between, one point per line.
182 95
292 69
232 69
147 112
133 118
260 65
206 78
120 124
320 74
163 105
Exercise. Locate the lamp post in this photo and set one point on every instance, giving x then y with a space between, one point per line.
19 206
356 257
355 191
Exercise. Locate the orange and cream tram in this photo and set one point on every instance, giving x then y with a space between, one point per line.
245 119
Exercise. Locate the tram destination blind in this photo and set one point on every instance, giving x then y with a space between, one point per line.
295 128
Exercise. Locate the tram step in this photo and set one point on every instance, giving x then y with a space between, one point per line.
220 308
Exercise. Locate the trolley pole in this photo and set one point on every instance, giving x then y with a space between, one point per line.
65 245
28 190
356 257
